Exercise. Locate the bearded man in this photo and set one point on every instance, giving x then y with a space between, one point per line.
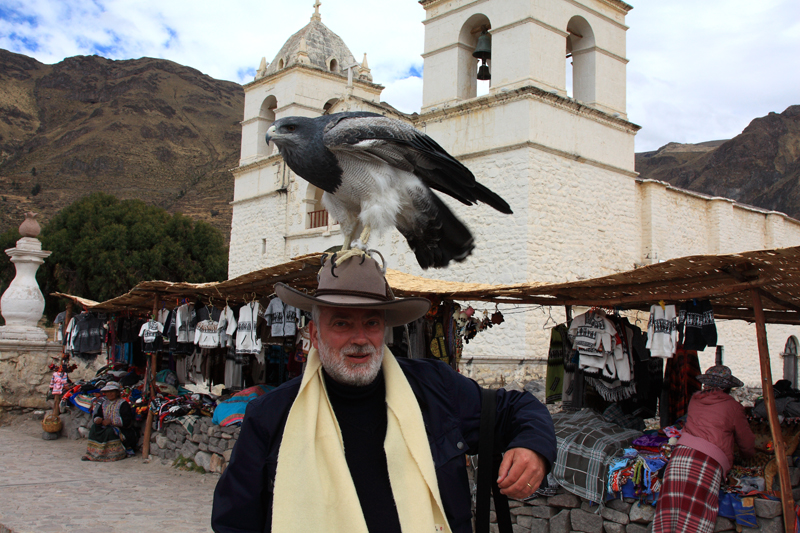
364 442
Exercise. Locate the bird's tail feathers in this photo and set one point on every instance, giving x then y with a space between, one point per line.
440 239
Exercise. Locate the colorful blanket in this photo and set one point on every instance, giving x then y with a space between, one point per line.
586 446
82 402
231 411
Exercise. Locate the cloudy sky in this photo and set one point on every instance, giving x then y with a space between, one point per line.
698 71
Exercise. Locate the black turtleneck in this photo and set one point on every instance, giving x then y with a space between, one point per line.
361 412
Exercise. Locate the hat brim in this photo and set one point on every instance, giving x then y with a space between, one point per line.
719 381
398 312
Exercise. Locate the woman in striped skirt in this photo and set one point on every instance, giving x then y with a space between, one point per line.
689 499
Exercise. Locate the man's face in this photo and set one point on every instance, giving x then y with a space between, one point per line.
350 343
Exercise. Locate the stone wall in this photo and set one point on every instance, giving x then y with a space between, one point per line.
566 512
209 445
24 376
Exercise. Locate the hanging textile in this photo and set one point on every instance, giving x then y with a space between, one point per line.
559 349
662 331
247 340
150 333
227 327
680 378
696 327
281 318
602 354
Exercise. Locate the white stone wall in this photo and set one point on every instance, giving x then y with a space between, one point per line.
741 349
566 169
572 221
257 231
528 44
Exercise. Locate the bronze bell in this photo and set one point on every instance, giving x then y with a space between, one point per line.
483 51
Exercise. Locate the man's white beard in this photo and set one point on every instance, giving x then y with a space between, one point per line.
337 367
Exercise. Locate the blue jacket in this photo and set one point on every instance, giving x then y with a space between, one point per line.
451 408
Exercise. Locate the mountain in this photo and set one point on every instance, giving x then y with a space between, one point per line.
145 128
167 134
759 167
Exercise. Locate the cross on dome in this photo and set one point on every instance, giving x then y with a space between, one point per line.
316 15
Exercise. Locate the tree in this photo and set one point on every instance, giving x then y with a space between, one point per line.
103 246
7 270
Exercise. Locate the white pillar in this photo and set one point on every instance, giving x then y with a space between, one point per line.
23 303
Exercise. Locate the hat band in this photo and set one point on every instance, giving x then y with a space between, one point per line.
363 294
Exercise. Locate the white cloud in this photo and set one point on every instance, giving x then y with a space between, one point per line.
404 94
698 70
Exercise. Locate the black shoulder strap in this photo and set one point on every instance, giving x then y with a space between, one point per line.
488 468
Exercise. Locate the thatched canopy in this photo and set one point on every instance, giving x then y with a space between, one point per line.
724 279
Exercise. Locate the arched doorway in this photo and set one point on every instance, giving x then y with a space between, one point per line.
790 361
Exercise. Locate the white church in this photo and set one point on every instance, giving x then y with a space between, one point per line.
562 157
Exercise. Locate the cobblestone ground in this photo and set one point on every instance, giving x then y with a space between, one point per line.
46 488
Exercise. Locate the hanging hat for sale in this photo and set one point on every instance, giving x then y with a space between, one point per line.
111 385
719 376
358 282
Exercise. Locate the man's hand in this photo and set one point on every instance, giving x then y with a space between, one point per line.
521 472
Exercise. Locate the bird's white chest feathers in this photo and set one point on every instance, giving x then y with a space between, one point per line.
374 192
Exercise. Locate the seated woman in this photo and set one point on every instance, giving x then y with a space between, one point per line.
112 436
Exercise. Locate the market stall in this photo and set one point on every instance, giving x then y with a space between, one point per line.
759 287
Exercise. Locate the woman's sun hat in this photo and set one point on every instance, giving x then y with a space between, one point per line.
111 385
719 376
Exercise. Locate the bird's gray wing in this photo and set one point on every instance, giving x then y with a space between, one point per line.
404 147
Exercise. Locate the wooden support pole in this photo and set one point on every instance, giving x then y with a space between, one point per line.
151 379
772 413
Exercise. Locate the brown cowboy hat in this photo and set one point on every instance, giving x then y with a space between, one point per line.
359 282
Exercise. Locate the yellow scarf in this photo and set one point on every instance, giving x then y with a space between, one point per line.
313 487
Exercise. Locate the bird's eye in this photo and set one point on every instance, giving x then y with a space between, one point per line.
290 128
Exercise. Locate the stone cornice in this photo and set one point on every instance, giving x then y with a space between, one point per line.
554 151
447 47
530 20
253 119
610 3
599 50
259 163
278 110
620 6
502 97
456 10
309 70
668 186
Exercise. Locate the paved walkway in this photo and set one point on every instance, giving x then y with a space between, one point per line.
46 488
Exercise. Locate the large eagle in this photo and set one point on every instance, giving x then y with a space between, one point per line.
377 173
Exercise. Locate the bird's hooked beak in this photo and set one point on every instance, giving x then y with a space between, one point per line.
270 133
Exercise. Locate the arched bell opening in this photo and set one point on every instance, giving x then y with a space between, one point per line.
266 116
581 61
474 57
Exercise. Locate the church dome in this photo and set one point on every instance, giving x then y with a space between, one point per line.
316 46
